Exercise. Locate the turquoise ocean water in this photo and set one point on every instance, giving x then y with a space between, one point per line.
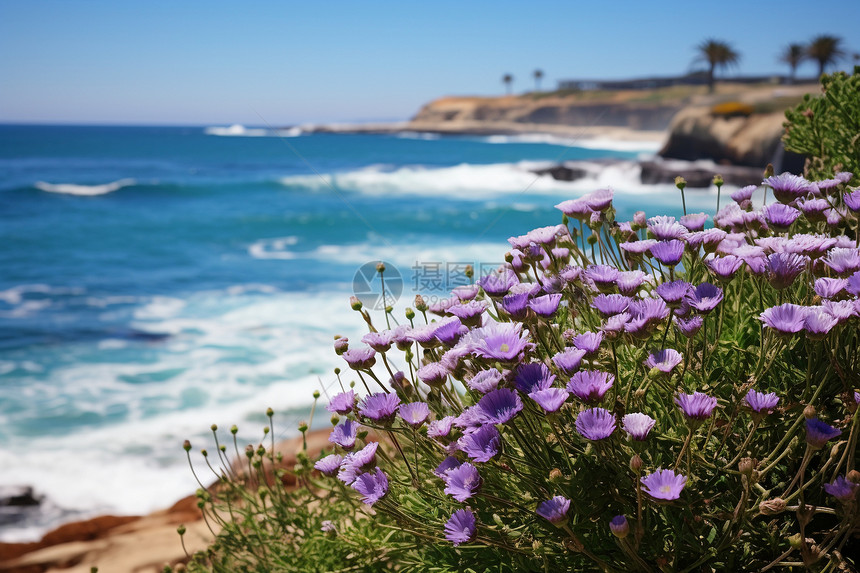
156 280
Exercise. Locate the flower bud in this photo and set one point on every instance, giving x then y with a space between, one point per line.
809 412
509 257
180 530
204 453
746 466
419 303
266 430
853 476
592 239
336 371
341 344
380 267
214 427
303 426
555 475
270 412
772 506
334 419
718 180
636 463
768 171
234 429
354 303
680 182
186 445
795 541
639 219
410 314
619 526
316 395
469 271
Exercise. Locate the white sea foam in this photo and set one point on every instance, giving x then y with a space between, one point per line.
84 190
237 130
273 248
604 143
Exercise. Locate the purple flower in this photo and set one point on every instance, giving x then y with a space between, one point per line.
590 385
852 200
516 305
638 425
694 221
696 406
669 253
360 358
440 428
705 297
502 341
342 403
674 292
665 228
644 315
379 341
830 288
461 527
853 284
500 406
629 282
818 433
843 261
341 344
615 325
783 268
689 327
371 486
414 413
637 248
599 200
788 187
424 335
743 194
462 482
380 407
450 331
482 444
780 216
533 377
664 360
329 465
812 246
610 304
786 318
726 267
603 276
433 374
355 463
588 341
663 484
550 399
470 312
554 510
619 526
843 177
485 380
761 403
447 464
569 360
842 489
818 322
545 305
344 434
595 424
841 310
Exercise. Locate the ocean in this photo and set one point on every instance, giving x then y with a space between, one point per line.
157 280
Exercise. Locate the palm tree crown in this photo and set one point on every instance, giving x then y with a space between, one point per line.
508 79
717 54
538 75
793 55
825 50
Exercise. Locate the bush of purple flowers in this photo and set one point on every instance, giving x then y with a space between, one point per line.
655 394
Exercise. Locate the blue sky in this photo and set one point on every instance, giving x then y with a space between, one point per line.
219 62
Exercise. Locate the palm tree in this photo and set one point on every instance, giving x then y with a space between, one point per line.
508 79
825 50
538 75
716 54
793 55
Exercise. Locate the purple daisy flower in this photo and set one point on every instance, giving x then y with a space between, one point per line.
780 216
344 434
470 419
786 318
694 221
379 341
360 358
853 284
841 310
814 209
545 305
485 380
812 246
554 510
590 385
342 403
818 323
500 406
615 325
696 406
843 177
329 465
637 248
440 428
533 377
645 314
482 444
705 297
341 344
595 424
668 253
466 292
761 403
569 360
629 282
588 341
663 484
355 463
842 489
744 194
664 360
830 288
461 527
603 276
516 305
424 335
788 187
665 228
843 261
852 200
447 464
783 268
372 486
689 326
380 407
433 374
599 200
450 332
550 399
725 267
576 208
470 312
414 413
818 433
638 425
503 341
709 239
462 482
674 292
610 304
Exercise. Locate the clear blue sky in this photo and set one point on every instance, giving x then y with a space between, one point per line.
220 62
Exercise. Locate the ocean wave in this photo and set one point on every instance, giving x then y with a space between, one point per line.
237 130
603 143
84 190
273 248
